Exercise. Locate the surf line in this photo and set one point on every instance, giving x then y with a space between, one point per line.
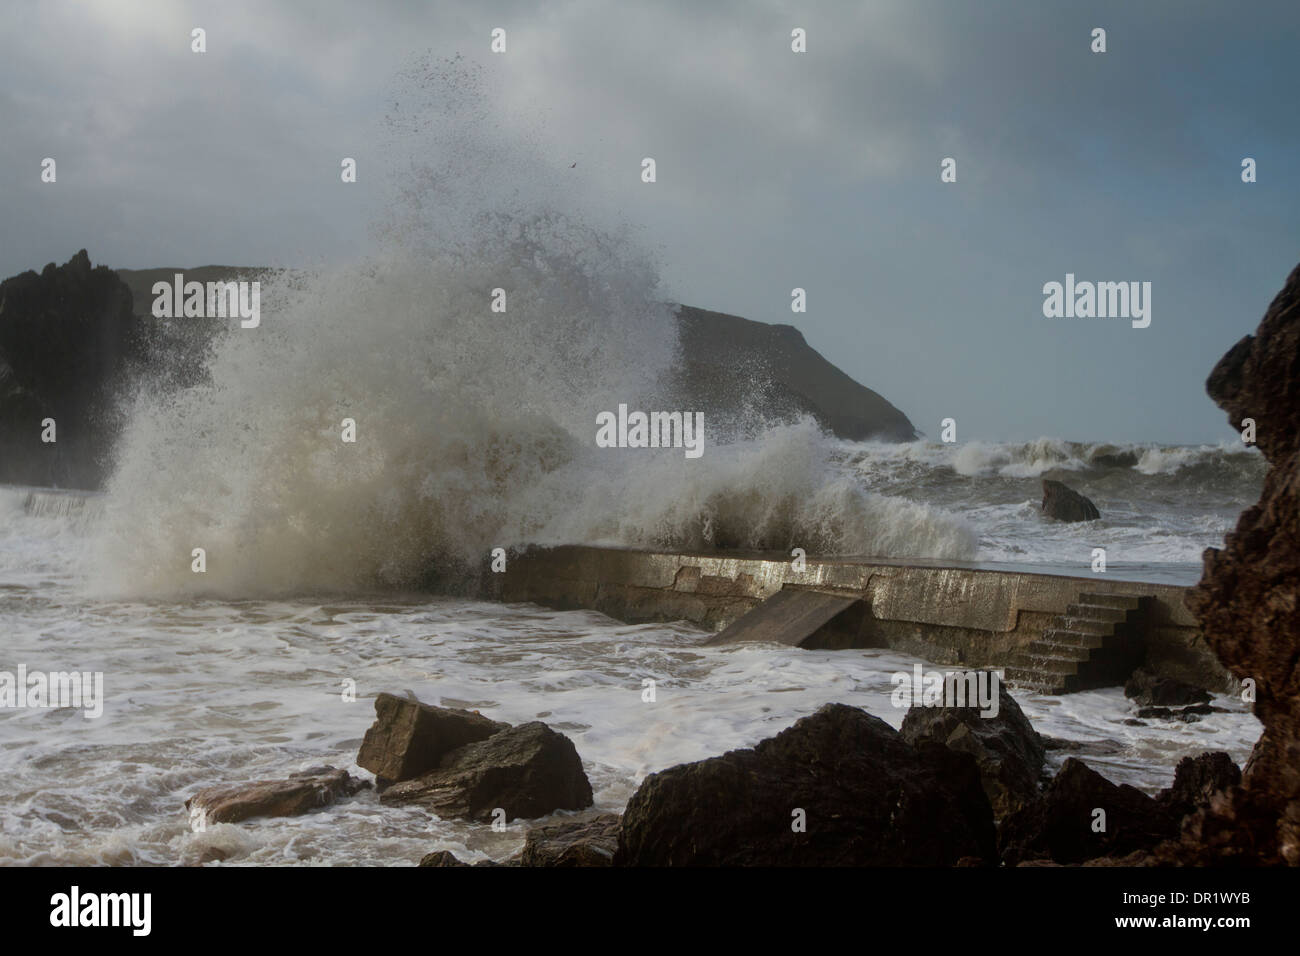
653 430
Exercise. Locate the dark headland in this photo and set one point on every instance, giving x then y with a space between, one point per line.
72 336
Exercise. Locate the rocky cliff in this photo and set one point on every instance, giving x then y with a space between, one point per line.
1248 598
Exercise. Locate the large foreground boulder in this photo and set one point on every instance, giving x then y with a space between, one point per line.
528 771
303 792
1065 504
1248 599
1006 748
409 738
840 787
1064 826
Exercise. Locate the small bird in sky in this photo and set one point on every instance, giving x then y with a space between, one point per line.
575 164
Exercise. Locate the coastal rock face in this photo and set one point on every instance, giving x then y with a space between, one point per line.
409 738
1065 504
1006 748
528 771
65 337
1060 826
731 364
573 843
868 798
303 792
1248 599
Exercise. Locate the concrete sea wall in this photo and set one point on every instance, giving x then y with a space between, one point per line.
950 615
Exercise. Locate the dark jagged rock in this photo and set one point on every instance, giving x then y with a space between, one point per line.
1248 599
573 842
303 792
868 796
409 738
732 364
1066 504
66 335
1059 826
1152 690
1006 748
528 771
1197 780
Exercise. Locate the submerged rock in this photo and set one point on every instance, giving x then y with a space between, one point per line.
839 787
528 771
409 738
573 842
303 792
1063 825
1006 748
1066 504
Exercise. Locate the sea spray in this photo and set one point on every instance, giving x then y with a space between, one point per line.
472 424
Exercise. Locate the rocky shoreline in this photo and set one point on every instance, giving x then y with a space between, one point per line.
841 787
837 788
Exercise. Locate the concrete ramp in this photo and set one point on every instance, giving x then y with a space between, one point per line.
793 616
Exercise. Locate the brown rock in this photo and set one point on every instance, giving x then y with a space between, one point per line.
528 771
302 792
442 858
409 738
574 842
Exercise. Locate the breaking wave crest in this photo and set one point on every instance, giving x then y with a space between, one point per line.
474 429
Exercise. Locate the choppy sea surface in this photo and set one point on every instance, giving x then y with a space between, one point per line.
215 691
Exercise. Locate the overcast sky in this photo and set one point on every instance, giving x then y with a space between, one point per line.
775 169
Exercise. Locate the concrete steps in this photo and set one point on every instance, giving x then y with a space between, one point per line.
1095 643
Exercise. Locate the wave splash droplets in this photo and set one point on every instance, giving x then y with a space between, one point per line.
474 429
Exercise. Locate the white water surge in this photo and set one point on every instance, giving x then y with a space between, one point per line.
204 692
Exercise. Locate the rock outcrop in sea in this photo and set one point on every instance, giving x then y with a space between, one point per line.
1065 504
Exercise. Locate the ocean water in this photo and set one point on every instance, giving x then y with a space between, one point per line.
205 690
329 561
